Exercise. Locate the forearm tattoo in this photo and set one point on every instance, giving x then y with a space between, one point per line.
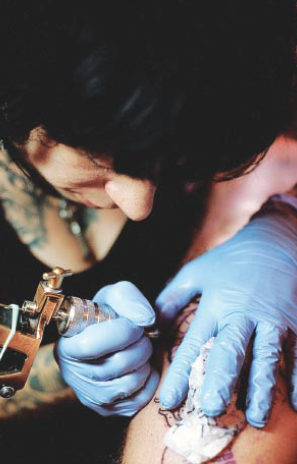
45 386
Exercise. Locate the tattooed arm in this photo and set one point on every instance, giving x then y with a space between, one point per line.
44 387
275 444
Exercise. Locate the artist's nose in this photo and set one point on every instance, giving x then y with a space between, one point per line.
134 197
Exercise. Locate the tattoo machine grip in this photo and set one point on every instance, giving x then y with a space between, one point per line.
77 314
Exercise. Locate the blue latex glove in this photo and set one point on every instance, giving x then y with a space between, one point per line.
107 365
248 284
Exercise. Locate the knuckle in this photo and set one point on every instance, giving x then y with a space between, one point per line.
131 332
144 347
143 398
119 363
117 290
85 346
138 378
132 358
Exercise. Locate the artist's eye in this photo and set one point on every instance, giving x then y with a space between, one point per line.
71 190
99 164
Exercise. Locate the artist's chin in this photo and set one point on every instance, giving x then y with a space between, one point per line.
87 203
91 205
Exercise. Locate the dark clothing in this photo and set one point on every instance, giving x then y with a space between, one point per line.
147 254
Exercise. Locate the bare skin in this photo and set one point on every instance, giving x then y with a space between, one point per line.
48 242
35 217
275 444
87 180
230 206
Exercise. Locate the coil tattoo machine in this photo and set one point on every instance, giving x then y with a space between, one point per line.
22 328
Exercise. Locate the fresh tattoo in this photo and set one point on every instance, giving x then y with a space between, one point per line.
181 325
174 417
45 386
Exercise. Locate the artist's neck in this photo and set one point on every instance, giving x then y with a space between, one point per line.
36 218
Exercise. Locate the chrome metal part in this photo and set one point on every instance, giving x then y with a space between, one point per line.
152 332
29 308
7 392
24 342
20 344
55 278
76 314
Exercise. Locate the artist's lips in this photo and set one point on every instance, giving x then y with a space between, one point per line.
78 197
89 204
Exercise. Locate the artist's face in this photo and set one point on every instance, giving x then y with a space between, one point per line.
89 181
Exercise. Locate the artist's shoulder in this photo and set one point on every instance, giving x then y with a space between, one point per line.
12 178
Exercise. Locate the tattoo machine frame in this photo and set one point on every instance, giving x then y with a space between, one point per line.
22 328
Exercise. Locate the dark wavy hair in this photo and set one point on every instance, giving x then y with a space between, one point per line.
188 87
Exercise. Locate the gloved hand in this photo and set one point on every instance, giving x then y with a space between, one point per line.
107 365
248 284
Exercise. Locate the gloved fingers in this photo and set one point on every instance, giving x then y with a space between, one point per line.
108 392
127 301
99 339
290 350
263 372
224 364
118 364
131 405
175 385
181 290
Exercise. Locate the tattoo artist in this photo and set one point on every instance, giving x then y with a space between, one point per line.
146 90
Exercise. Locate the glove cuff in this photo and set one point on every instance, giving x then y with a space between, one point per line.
278 217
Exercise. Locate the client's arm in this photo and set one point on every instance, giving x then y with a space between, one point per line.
275 444
229 207
44 387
